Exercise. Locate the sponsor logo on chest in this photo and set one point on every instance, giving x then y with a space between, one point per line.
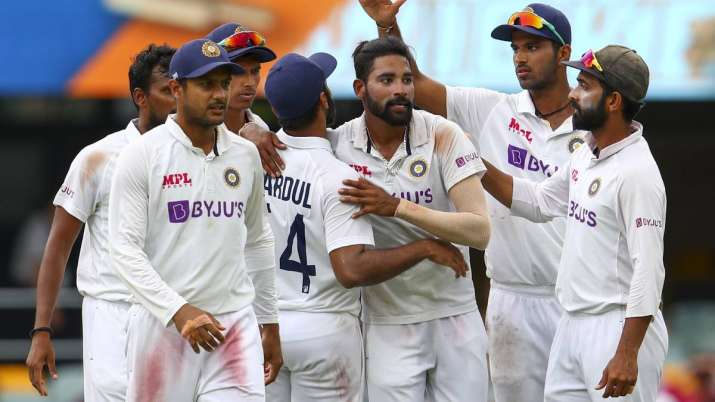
180 211
174 180
514 127
522 159
361 169
582 215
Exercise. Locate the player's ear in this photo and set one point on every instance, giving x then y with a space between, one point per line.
139 97
324 103
564 53
175 87
358 88
614 102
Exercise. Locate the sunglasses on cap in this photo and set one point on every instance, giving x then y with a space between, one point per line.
589 60
242 40
529 19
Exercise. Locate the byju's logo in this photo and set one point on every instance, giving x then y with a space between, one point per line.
181 211
176 180
520 158
178 211
463 160
648 222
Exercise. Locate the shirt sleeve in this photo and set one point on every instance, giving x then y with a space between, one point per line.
78 193
470 107
260 257
543 201
642 203
458 157
341 229
128 220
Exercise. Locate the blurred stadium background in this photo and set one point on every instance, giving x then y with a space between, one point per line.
63 84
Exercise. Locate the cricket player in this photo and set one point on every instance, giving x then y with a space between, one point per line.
612 340
83 199
319 299
425 339
248 49
189 238
530 135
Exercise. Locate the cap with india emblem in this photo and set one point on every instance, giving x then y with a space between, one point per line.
199 57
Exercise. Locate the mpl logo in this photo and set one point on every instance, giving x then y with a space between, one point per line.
463 160
520 158
362 169
173 180
514 127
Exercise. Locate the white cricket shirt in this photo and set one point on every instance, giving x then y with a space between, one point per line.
308 222
614 205
186 226
507 133
85 195
435 156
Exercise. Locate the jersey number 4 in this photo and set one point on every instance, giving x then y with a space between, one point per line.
297 229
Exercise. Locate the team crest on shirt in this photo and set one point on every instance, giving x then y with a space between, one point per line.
575 143
594 187
210 49
231 177
418 168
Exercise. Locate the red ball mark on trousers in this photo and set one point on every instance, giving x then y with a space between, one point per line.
342 380
152 375
233 354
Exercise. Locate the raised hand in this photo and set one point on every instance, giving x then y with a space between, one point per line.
383 12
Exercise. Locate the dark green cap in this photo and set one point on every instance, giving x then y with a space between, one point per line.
623 70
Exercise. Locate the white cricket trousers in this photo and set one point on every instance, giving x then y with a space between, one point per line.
164 368
583 346
442 360
322 358
521 324
104 326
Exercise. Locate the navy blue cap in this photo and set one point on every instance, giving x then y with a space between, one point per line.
262 53
199 57
548 13
295 82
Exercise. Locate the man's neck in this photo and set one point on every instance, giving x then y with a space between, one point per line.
315 129
235 119
201 136
385 137
142 123
613 131
553 99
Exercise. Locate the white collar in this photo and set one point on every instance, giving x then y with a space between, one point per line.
304 142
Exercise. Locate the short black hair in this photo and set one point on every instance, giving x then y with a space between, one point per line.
366 52
630 107
305 119
144 63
